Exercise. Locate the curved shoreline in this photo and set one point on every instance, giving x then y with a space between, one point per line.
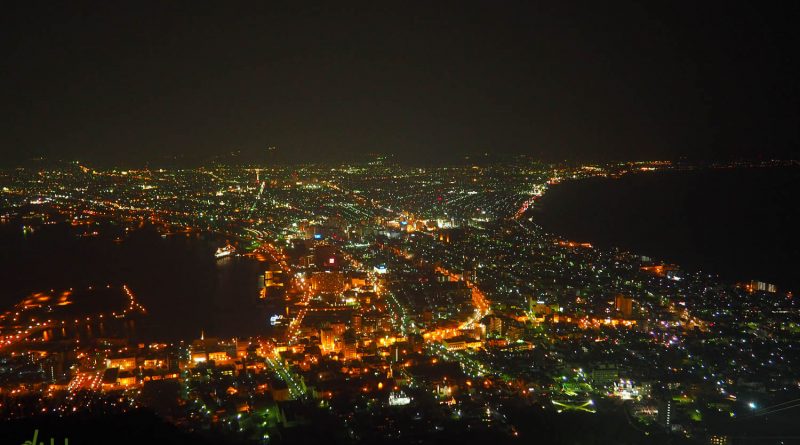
693 241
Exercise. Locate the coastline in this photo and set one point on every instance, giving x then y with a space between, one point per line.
695 243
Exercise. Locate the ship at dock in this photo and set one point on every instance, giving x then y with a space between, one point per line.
223 252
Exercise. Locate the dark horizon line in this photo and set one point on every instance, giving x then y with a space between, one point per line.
234 160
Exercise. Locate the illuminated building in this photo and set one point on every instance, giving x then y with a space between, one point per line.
273 276
338 329
494 325
109 380
460 343
328 282
398 398
513 330
241 348
660 270
274 282
327 339
623 305
666 413
126 379
538 310
218 356
355 323
470 275
605 374
153 363
357 281
760 286
350 350
350 345
123 363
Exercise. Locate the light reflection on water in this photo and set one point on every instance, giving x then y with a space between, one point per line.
176 278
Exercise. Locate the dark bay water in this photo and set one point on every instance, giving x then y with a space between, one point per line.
739 223
178 280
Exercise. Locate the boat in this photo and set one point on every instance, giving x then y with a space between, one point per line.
224 251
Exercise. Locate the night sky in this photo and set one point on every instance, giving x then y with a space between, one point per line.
126 83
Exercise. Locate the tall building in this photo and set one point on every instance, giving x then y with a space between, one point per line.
338 329
760 286
494 326
469 274
350 345
624 305
350 351
327 339
273 276
274 282
666 413
355 323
